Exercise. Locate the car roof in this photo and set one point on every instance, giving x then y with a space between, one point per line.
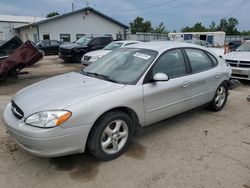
162 46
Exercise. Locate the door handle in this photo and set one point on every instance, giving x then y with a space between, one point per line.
185 84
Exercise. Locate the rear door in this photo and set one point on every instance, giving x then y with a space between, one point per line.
168 98
203 79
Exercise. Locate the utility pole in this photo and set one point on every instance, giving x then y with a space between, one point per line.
73 7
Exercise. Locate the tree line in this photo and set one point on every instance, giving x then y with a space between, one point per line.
229 26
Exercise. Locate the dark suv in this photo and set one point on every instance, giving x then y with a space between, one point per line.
74 51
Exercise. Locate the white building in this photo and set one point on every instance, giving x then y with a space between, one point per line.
8 24
73 25
216 38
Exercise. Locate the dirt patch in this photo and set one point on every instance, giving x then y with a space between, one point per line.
8 145
136 151
81 166
246 186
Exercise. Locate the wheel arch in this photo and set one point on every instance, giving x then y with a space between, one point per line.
130 112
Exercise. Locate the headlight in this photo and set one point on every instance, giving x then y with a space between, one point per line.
48 119
95 58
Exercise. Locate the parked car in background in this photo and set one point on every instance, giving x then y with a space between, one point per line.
91 57
217 51
136 85
75 51
49 47
199 42
240 61
233 45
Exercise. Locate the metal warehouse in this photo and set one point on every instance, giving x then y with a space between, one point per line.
73 25
9 23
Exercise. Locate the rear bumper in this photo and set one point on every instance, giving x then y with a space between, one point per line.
50 142
241 73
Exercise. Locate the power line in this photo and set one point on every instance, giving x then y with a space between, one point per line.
151 6
164 10
237 8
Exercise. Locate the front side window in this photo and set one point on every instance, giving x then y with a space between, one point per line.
124 65
96 42
105 41
171 63
199 60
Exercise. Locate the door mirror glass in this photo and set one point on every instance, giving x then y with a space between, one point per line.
160 77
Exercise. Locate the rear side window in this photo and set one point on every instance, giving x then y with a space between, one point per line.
199 60
171 63
213 59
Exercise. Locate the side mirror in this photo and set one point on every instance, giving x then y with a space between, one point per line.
160 77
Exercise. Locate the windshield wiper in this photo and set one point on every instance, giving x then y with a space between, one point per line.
104 77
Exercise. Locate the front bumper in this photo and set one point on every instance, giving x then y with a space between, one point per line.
65 57
50 142
241 73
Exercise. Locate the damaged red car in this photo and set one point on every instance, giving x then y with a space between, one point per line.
15 56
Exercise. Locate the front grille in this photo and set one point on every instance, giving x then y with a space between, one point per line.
87 58
240 75
234 63
18 113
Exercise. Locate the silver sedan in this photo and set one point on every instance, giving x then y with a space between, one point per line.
100 107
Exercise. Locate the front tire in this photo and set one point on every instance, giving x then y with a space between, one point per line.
220 98
110 136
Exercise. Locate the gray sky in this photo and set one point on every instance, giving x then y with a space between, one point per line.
174 13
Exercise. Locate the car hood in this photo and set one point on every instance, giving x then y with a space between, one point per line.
61 91
98 53
71 46
237 56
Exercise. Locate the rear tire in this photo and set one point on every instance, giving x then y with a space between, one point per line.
110 136
220 98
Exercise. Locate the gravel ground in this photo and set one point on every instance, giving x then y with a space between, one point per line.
198 149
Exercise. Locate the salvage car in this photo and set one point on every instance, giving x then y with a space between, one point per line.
9 47
101 106
75 51
49 47
24 56
93 56
240 61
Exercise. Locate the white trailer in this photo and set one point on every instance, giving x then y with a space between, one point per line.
216 38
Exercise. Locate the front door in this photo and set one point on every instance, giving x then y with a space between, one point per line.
168 98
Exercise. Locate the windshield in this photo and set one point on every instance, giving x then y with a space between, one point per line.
113 45
244 47
83 40
124 65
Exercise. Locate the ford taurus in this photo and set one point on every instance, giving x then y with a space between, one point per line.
99 107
